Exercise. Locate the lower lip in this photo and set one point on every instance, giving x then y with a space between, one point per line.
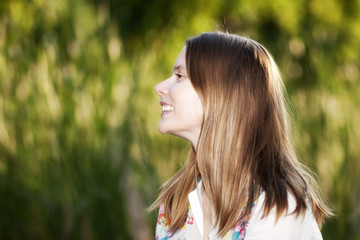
165 113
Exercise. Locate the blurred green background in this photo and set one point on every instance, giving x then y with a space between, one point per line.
80 154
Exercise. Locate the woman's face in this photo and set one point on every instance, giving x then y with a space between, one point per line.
182 110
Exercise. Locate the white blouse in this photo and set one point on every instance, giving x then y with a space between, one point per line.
288 226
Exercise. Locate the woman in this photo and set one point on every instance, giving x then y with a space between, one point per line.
242 179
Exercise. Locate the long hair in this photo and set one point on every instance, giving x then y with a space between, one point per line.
244 145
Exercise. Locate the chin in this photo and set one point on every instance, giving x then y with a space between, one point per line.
162 129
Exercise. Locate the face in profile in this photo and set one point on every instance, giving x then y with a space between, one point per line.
182 110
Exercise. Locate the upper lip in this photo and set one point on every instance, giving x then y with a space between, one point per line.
162 103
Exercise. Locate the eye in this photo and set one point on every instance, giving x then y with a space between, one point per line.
179 75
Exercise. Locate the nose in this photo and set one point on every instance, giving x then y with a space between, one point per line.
161 88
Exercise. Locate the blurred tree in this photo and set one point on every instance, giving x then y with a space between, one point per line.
80 156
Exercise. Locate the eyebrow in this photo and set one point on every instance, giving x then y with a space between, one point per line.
178 68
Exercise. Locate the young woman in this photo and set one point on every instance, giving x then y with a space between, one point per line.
242 179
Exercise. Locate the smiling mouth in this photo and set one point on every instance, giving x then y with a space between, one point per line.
167 108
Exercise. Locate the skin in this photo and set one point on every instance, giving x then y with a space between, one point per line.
185 117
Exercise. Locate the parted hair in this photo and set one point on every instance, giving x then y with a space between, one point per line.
244 145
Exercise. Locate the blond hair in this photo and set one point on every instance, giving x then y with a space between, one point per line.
244 144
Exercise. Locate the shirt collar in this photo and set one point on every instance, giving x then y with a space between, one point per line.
195 205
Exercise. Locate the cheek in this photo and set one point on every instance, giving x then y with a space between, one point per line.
199 107
186 100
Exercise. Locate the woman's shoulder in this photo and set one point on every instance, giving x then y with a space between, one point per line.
288 226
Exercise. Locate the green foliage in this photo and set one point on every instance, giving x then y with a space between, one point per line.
80 155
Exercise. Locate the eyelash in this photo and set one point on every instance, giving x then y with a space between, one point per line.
178 75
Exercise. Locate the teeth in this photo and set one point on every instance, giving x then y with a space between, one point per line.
167 108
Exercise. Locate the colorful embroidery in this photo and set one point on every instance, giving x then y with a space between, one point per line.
240 229
162 232
190 220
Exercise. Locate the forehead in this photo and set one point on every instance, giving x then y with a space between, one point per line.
180 63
